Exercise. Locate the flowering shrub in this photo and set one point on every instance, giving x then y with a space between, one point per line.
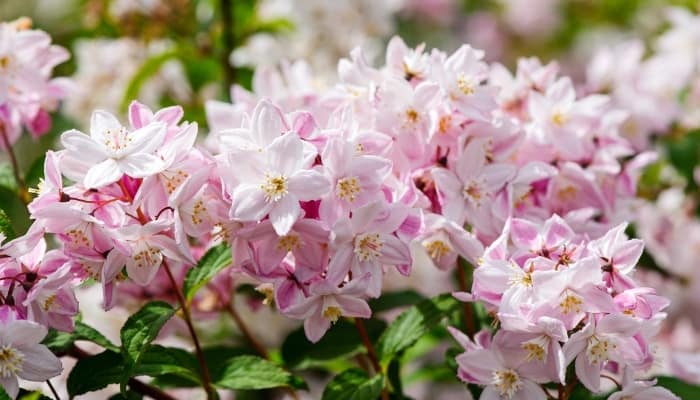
313 200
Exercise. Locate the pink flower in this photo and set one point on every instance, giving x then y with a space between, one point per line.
327 303
21 355
111 151
274 182
641 390
609 339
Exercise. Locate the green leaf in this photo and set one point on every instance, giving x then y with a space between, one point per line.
95 373
684 390
391 300
139 331
342 340
35 172
414 323
217 358
6 226
4 395
252 372
354 384
213 261
148 69
13 207
62 341
156 361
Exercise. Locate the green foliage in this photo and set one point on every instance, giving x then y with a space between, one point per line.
59 341
252 372
139 331
6 226
213 261
342 340
390 300
681 389
413 323
147 70
354 384
83 377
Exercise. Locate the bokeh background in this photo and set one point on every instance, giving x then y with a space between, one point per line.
644 53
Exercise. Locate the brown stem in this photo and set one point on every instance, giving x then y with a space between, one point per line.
53 390
245 331
206 378
23 192
565 391
468 316
135 384
368 345
370 352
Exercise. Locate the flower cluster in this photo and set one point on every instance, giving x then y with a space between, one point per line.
318 193
560 298
27 91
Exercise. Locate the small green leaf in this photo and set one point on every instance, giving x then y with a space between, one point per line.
95 373
391 300
6 226
354 384
156 361
139 331
62 341
148 69
684 390
252 372
213 261
4 395
414 323
342 340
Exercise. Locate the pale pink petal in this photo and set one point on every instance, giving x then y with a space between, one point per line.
102 174
285 213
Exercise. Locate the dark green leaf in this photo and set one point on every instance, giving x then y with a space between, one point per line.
684 390
14 208
342 340
391 300
354 384
414 323
139 331
4 395
213 261
35 172
252 372
95 373
217 359
62 341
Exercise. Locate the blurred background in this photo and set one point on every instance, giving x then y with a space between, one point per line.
644 53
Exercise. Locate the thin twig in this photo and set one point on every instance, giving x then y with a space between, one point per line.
23 192
259 348
371 353
468 315
226 8
53 390
206 378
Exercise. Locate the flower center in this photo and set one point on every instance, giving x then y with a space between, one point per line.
173 179
147 257
598 350
437 249
275 187
348 188
368 247
4 63
465 85
10 361
412 116
571 303
116 140
197 210
49 302
507 382
78 238
444 124
559 118
332 313
473 192
536 349
288 242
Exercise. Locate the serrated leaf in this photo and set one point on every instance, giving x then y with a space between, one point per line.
353 384
156 361
139 331
342 340
391 300
252 372
414 323
62 341
216 357
213 261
